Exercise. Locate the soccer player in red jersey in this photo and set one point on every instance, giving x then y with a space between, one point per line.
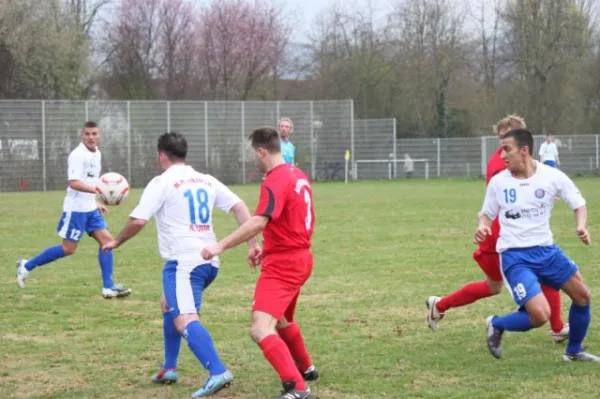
489 261
285 215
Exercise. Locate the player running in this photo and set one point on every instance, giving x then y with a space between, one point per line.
81 214
182 201
285 215
523 197
488 260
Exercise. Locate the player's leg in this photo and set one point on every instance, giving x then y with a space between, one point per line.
271 300
564 273
526 291
172 345
559 330
183 287
97 228
70 228
289 331
469 293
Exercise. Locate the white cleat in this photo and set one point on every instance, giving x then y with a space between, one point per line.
581 357
433 315
22 273
562 335
116 292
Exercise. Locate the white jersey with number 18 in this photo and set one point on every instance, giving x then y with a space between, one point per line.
182 201
524 205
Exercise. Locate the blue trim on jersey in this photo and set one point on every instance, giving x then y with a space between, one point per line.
525 268
550 163
72 225
194 282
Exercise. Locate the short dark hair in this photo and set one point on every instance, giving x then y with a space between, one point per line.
267 138
174 145
523 137
90 124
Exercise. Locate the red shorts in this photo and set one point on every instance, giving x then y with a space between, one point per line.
489 262
278 286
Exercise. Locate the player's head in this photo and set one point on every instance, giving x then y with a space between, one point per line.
285 127
266 144
517 149
172 148
90 135
507 123
548 139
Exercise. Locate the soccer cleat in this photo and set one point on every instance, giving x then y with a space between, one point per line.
165 376
290 392
22 273
116 292
433 315
562 335
214 384
581 357
311 374
494 338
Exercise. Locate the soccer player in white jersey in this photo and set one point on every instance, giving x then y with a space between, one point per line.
523 197
549 153
81 214
182 200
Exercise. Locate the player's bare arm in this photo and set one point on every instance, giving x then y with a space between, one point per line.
581 223
132 227
251 228
484 228
81 186
242 215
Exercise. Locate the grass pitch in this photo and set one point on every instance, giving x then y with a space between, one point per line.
380 249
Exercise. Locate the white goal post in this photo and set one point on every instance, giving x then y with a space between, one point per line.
392 167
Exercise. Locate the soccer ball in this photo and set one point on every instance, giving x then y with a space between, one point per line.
112 188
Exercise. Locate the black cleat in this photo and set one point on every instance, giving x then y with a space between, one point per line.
494 338
290 392
311 374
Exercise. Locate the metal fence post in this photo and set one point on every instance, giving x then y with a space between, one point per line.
44 143
129 143
395 151
206 133
242 147
87 111
312 139
597 152
483 155
439 165
352 155
277 113
168 116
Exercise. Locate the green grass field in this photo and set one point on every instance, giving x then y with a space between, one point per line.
381 248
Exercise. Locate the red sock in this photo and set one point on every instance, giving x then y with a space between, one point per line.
292 337
278 354
469 293
553 298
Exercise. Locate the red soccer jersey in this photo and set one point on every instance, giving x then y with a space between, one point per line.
495 166
286 198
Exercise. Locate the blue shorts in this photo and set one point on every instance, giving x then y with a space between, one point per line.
72 225
550 163
183 286
525 268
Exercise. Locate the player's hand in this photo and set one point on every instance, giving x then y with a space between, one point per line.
110 245
584 236
254 256
103 210
211 251
481 233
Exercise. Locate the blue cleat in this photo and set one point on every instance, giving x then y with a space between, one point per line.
165 376
214 384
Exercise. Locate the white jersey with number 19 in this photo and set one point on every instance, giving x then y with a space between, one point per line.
182 200
524 205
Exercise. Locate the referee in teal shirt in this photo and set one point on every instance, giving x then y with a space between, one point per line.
288 150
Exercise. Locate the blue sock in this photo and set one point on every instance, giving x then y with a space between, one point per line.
172 342
106 266
579 321
518 321
201 345
48 255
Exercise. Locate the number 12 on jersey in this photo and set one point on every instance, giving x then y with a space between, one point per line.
203 208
